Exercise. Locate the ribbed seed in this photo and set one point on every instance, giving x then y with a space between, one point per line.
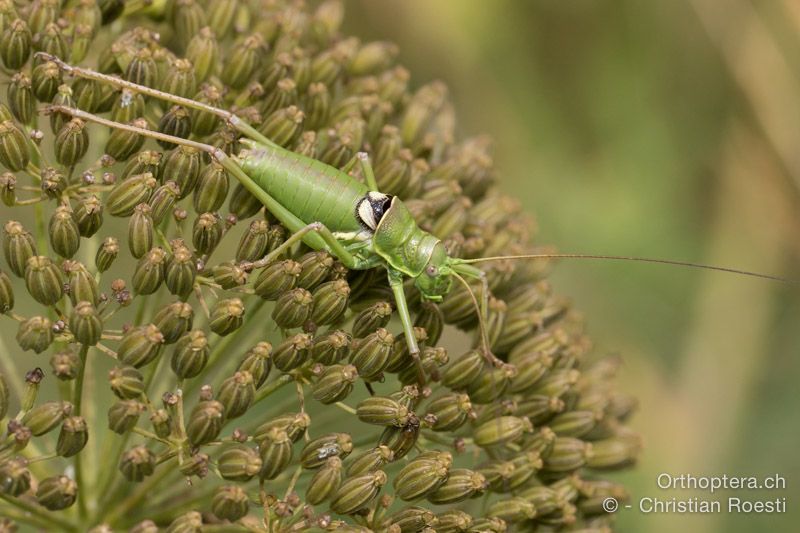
334 383
292 352
357 492
371 354
331 348
317 451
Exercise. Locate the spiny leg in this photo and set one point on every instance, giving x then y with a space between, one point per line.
396 283
320 230
243 127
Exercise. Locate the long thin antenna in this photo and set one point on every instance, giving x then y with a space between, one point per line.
631 258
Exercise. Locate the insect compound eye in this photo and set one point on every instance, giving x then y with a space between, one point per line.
432 270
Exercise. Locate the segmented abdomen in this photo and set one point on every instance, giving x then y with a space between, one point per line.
312 190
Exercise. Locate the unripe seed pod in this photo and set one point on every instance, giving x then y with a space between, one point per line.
464 371
202 51
18 246
20 98
71 142
331 348
334 383
161 422
106 254
450 411
330 302
175 122
239 463
422 476
400 440
414 519
431 319
609 453
15 45
73 436
173 320
574 423
512 510
88 215
122 144
204 123
373 317
370 460
258 362
53 182
317 451
87 94
292 352
127 107
14 150
126 382
357 492
140 345
142 162
254 242
315 268
400 358
8 188
35 333
230 275
190 355
501 430
150 271
276 453
137 463
123 415
63 232
180 79
81 284
460 485
539 408
382 411
163 201
245 59
42 13
326 482
531 367
277 278
243 204
212 189
294 424
182 165
16 476
56 493
556 383
127 194
454 521
187 17
45 417
85 324
64 97
142 69
181 271
227 316
205 422
237 394
372 58
277 235
207 232
371 354
191 521
6 293
230 502
65 364
283 125
293 308
140 231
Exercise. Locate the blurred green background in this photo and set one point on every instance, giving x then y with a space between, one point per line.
667 129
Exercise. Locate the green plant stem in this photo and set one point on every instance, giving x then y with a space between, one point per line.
56 522
272 387
116 512
15 380
78 403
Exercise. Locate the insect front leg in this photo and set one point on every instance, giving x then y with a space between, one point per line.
396 283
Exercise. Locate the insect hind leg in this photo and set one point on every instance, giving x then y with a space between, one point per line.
237 123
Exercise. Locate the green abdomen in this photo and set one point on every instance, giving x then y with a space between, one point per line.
312 190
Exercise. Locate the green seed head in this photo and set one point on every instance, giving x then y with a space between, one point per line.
35 333
137 463
73 436
190 354
56 493
45 417
127 383
205 422
239 463
123 415
85 323
15 475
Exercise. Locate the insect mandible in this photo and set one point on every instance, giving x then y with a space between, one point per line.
328 209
